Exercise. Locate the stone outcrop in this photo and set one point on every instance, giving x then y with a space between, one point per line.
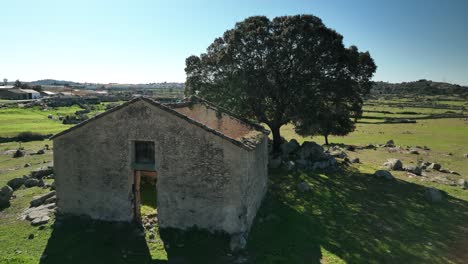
383 174
393 164
5 194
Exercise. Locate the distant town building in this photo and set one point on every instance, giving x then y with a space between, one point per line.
13 93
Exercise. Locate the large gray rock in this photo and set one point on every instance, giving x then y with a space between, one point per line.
289 147
5 194
394 164
42 172
15 183
31 183
383 174
40 200
413 169
237 242
433 195
465 156
311 151
355 160
434 166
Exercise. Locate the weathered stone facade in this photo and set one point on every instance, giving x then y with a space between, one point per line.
207 177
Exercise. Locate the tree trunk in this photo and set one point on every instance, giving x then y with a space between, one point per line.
326 139
275 130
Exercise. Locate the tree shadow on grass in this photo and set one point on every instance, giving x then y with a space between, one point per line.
75 240
356 217
351 215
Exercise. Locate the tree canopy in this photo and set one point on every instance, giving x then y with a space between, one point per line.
280 71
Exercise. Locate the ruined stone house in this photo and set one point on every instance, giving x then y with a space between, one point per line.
211 167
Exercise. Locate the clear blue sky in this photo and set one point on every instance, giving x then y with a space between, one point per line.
147 41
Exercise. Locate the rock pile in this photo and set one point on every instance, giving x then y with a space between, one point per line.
39 215
309 155
41 209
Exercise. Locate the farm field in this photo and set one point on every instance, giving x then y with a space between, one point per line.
349 216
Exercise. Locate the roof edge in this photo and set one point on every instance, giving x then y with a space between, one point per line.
248 145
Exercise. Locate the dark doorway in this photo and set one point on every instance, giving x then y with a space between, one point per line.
145 176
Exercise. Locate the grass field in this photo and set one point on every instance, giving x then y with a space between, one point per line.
347 217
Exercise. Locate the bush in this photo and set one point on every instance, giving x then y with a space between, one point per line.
30 136
25 137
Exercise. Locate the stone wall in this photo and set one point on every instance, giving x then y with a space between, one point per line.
203 179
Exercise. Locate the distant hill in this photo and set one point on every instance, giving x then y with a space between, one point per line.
53 82
421 87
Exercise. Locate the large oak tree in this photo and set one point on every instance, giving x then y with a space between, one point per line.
278 71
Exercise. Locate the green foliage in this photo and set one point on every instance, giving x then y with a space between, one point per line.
274 70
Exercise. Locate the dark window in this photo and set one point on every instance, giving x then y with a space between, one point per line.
144 152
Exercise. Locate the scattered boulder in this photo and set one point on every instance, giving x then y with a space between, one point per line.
350 147
40 152
433 195
237 242
384 174
311 151
390 144
355 160
31 183
27 165
413 169
338 154
289 147
41 172
413 151
394 164
465 156
463 183
444 171
303 187
370 146
5 194
455 173
15 183
424 164
434 166
40 200
19 153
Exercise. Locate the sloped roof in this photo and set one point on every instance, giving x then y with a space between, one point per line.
199 112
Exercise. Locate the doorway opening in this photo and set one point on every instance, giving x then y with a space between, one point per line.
144 182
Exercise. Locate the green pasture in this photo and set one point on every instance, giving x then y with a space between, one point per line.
349 216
